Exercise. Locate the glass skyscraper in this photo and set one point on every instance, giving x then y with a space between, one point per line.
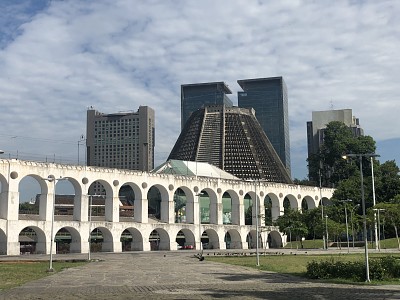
198 95
268 97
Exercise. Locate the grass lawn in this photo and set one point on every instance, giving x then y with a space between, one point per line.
17 273
293 264
318 244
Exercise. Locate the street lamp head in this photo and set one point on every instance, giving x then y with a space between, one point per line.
368 155
1 152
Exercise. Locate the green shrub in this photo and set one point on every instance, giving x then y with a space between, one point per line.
380 269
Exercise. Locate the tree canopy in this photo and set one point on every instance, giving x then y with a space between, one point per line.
329 163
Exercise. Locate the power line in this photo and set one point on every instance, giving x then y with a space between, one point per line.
11 136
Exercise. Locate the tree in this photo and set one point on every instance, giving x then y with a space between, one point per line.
387 181
314 222
328 162
291 223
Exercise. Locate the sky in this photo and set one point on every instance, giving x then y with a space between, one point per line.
59 57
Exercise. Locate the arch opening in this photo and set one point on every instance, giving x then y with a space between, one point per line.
180 201
226 208
248 210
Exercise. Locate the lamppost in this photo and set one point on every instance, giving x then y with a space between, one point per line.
256 211
326 231
54 180
257 217
347 225
379 227
360 157
322 203
374 203
200 256
352 223
90 223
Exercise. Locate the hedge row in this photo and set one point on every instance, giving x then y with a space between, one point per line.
383 268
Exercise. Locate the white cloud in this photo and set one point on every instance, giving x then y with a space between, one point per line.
60 57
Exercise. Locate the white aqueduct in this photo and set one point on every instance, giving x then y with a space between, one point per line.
141 227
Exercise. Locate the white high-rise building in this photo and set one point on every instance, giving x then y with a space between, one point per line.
316 127
123 140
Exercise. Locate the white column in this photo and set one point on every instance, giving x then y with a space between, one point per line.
141 213
12 238
238 212
191 212
112 209
81 208
46 205
168 211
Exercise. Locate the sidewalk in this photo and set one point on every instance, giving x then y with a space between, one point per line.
177 275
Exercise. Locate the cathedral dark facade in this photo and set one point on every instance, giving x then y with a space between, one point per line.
231 139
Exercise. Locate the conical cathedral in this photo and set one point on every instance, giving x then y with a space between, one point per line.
232 139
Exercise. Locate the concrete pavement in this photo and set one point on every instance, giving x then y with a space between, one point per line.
178 275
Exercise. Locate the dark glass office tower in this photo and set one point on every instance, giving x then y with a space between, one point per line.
198 95
268 97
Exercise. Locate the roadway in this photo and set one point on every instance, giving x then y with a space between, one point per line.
179 275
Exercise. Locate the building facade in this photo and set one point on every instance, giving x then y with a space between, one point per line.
269 98
316 127
198 95
231 139
123 140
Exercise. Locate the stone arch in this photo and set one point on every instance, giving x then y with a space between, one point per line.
180 205
127 197
235 241
40 197
275 206
104 189
235 207
158 197
307 203
138 210
213 238
185 239
3 242
101 240
248 209
68 240
32 239
290 202
131 240
77 205
227 207
3 197
274 240
254 200
251 239
326 201
101 187
159 239
210 198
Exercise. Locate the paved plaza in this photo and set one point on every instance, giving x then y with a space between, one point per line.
179 275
